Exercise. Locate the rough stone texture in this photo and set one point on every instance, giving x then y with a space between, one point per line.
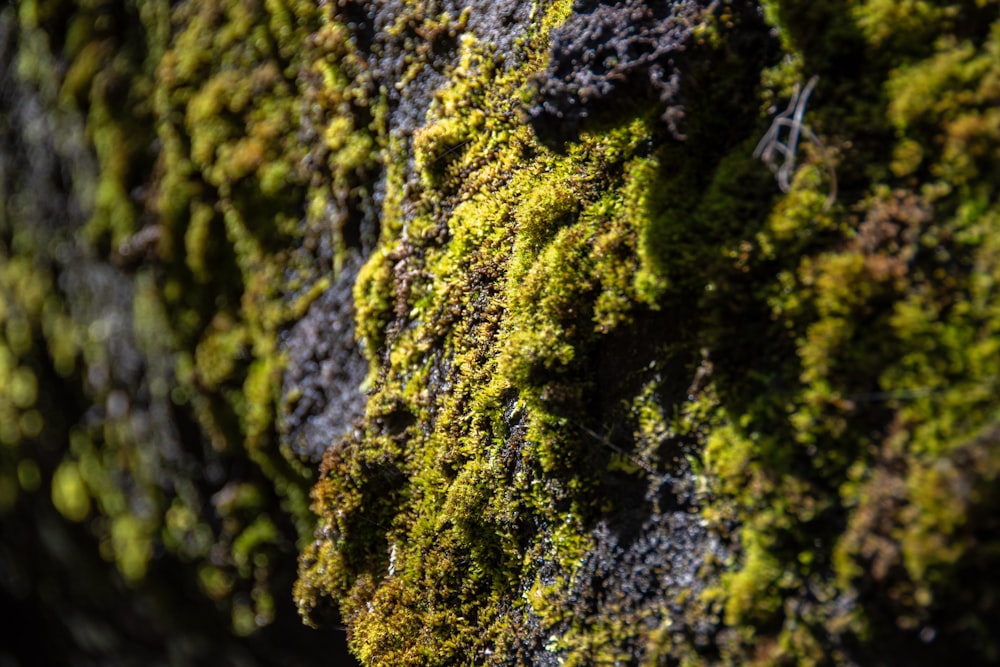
321 387
606 57
410 48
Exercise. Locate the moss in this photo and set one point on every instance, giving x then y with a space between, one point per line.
549 274
832 332
869 281
173 123
626 402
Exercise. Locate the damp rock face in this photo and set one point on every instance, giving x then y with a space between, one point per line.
475 333
631 403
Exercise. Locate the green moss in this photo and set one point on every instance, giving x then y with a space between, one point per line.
543 248
550 335
191 113
841 322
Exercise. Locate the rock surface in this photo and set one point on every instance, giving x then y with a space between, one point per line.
487 314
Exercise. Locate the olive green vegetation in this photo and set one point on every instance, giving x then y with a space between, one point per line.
551 335
842 428
139 361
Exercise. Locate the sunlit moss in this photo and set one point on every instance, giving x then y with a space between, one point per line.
69 495
820 363
839 291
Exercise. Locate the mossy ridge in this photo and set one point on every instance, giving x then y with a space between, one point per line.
814 428
56 315
487 304
68 316
240 90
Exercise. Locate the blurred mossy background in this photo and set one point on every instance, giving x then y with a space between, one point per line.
616 396
151 236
